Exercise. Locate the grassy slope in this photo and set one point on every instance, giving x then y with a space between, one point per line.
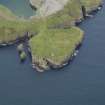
55 44
5 13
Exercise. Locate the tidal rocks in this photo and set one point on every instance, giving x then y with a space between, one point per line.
20 48
21 51
22 56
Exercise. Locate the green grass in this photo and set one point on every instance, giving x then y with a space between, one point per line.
70 13
55 44
11 30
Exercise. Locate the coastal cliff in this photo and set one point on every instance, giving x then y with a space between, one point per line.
53 37
58 42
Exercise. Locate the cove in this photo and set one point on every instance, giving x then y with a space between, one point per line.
81 83
21 8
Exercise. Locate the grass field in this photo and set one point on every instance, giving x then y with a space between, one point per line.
55 44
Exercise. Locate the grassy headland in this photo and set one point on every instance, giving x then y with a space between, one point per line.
55 46
57 36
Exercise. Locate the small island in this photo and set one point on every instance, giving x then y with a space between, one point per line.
53 35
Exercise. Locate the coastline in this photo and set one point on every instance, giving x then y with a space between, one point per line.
50 64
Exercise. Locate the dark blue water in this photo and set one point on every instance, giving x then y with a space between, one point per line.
81 83
21 8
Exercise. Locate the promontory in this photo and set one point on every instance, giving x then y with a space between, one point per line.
53 35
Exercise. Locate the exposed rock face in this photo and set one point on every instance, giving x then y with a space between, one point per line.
48 7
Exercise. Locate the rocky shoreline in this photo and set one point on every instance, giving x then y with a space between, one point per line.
25 37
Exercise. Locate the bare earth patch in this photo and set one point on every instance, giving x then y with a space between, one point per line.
48 7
